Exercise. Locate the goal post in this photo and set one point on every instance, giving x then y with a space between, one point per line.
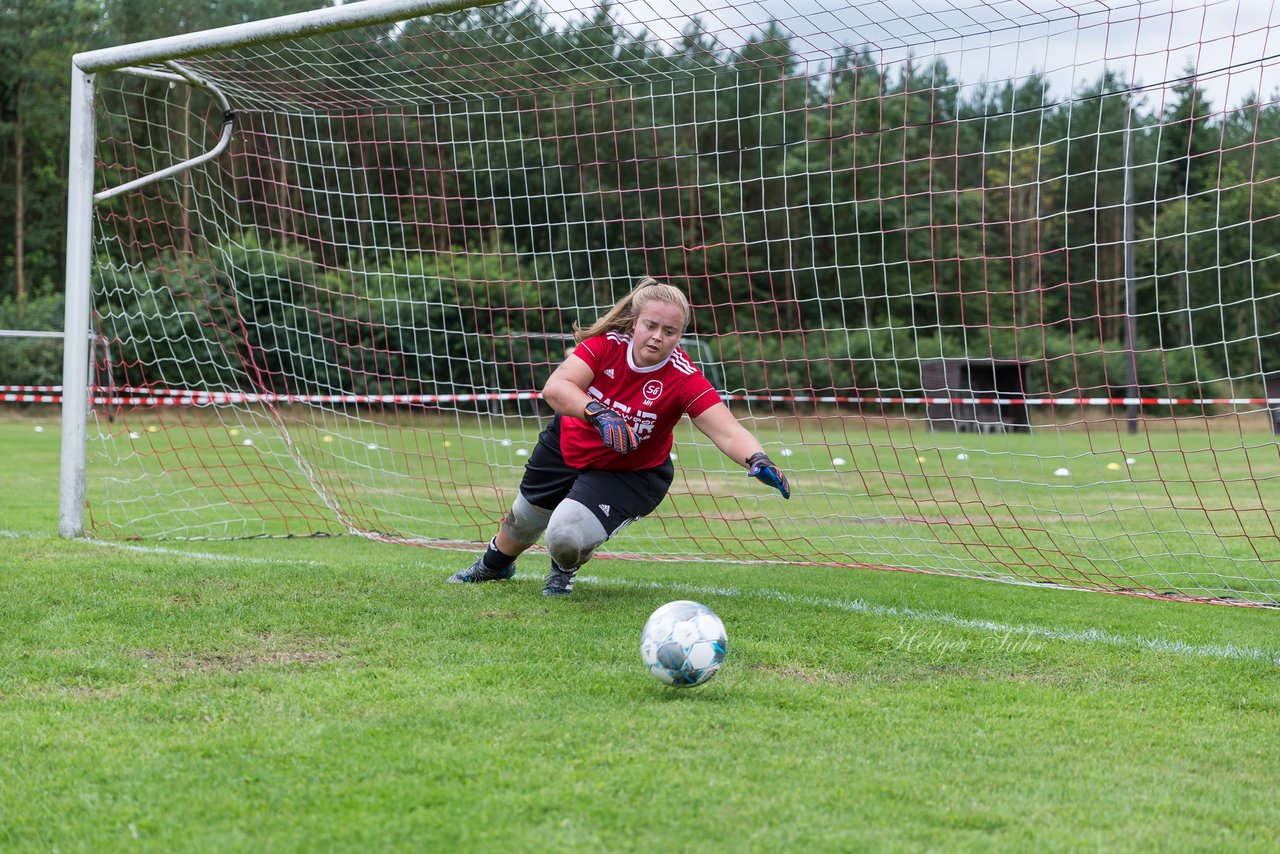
997 285
75 355
80 184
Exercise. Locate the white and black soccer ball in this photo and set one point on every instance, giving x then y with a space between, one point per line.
683 644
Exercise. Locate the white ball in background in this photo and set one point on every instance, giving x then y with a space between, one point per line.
1062 472
837 461
962 457
39 429
247 443
521 452
373 446
506 443
673 456
326 438
134 436
1130 461
786 452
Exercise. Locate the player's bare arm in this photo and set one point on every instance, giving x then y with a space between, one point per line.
737 443
724 431
565 390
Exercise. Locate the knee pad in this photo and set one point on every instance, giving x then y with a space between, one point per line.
525 523
573 535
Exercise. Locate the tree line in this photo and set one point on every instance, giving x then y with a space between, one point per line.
833 226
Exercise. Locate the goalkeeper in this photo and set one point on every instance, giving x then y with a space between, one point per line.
605 459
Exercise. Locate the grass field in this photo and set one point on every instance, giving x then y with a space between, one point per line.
336 694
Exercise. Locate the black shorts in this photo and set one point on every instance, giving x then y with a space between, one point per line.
615 497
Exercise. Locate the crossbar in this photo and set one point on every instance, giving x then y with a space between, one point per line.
333 19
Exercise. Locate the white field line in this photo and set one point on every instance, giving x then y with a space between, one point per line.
1093 636
155 550
856 606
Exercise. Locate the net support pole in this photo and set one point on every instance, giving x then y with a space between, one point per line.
75 358
1130 285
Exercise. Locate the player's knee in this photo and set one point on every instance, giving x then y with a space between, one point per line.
573 535
525 523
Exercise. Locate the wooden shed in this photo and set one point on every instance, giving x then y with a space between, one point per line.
998 379
1271 386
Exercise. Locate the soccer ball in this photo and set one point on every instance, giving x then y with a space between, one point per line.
683 644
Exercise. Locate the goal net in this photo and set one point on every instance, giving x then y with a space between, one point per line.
996 283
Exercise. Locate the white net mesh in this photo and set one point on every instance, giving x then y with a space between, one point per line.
916 272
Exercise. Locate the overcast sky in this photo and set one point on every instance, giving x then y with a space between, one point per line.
1235 44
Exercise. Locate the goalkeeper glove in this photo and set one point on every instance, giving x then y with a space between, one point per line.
615 432
765 470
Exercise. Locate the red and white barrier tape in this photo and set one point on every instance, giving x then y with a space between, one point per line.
179 397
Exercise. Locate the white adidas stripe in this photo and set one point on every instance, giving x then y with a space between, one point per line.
681 362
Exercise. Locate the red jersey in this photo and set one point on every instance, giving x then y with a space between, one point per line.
650 399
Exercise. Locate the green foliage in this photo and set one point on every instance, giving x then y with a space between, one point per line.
260 317
855 361
806 209
1189 145
31 361
37 38
888 362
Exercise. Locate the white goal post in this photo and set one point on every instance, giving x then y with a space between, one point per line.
81 196
996 283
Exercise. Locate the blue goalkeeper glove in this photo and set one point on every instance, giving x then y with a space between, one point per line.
615 432
765 470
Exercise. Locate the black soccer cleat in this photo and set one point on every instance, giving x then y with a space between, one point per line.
559 581
478 572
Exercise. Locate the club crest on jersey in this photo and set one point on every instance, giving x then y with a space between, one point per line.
652 390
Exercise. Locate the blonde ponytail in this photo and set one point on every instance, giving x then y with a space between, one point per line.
622 317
